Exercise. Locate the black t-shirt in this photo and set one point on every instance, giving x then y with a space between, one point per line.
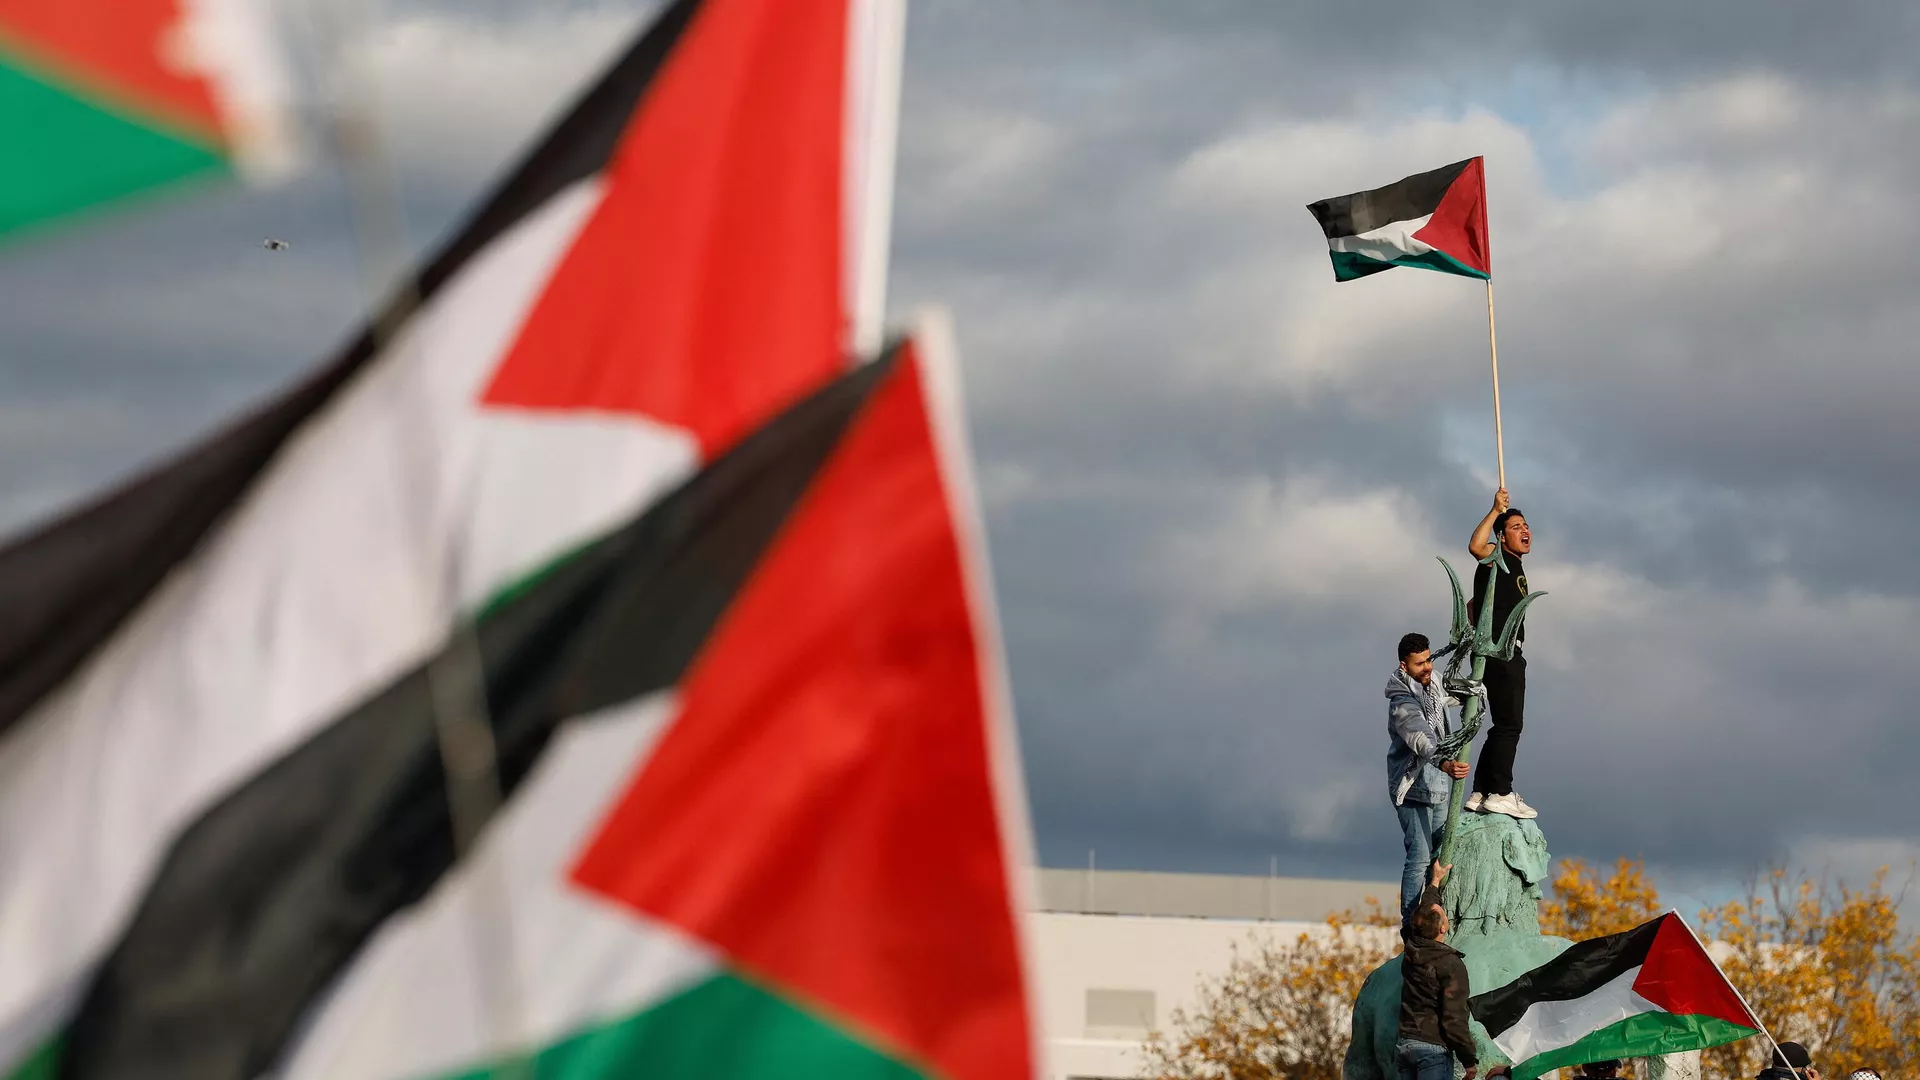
1512 586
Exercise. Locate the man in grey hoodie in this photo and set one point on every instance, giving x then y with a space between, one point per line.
1419 786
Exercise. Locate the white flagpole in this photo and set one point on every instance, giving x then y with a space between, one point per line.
878 29
1493 347
457 683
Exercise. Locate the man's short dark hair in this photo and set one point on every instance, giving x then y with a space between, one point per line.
1427 921
1500 523
1413 643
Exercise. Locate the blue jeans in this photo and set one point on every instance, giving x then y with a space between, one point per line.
1420 827
1422 1060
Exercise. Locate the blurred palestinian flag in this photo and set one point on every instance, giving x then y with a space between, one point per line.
103 99
607 494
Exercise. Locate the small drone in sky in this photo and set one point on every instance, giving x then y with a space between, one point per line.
275 245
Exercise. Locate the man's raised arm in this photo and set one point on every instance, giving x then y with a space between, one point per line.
1481 545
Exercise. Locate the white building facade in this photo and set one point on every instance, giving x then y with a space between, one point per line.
1115 952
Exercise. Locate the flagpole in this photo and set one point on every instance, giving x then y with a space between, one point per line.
1775 1043
1493 348
457 687
880 36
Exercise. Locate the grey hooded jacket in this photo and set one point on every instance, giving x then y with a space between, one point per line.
1416 721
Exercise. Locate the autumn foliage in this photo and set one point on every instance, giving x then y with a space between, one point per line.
1820 964
1281 1009
1826 966
1585 905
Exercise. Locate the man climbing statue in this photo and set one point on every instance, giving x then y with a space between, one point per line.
1504 530
1434 1017
1420 786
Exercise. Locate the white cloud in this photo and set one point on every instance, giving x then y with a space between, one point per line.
968 159
462 93
1299 542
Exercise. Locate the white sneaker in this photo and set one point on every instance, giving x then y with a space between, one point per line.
1526 809
1508 805
1474 800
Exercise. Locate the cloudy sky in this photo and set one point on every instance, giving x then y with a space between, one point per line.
1216 481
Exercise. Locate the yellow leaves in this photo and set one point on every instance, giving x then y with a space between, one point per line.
1828 967
1582 905
1281 1010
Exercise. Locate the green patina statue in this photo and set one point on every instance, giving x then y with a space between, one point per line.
1493 892
1493 901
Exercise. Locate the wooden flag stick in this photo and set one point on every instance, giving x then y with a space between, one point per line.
1493 347
457 681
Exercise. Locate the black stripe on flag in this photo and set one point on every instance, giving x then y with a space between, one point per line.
266 898
1579 971
1405 199
67 586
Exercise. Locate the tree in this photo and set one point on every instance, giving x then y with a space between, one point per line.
1826 966
1583 905
1281 1010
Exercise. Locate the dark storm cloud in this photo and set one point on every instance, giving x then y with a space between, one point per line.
1705 383
1845 41
1215 481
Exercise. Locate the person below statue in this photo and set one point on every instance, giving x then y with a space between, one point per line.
1434 988
1421 787
1505 680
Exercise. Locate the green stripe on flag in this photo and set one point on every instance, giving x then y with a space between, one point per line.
722 1029
1348 265
1646 1034
64 153
43 1065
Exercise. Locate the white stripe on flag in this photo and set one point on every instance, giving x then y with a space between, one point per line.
1550 1025
401 505
235 45
507 953
1391 241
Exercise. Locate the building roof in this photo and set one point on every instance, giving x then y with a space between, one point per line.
1203 896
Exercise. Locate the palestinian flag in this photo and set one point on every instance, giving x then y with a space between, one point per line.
755 820
101 99
1651 990
1436 220
679 260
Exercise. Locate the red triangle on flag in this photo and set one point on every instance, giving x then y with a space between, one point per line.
1681 978
823 810
1458 227
705 293
121 50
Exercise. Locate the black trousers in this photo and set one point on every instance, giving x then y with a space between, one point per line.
1507 702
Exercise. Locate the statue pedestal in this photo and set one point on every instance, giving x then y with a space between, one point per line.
1493 900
